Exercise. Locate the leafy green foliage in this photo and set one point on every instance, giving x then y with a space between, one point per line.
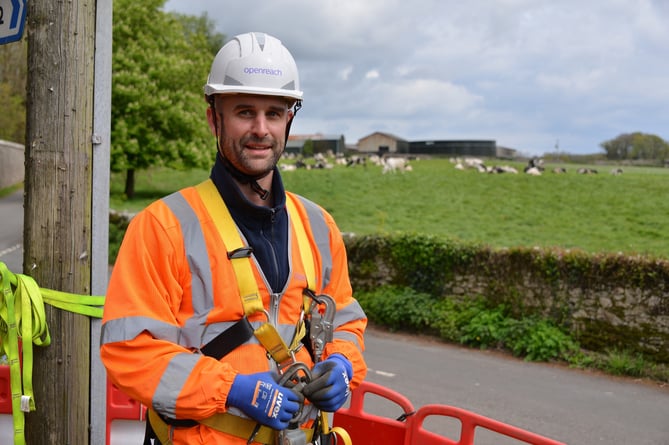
118 224
625 363
636 146
538 340
398 308
483 328
467 321
160 64
13 74
473 322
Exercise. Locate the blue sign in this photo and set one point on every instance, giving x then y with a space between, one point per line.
12 19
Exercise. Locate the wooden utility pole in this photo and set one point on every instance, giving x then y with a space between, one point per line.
58 206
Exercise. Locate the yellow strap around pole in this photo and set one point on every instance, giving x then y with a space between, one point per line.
22 316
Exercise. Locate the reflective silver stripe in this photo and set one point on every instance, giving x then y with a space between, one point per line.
172 381
349 313
198 262
347 336
321 233
352 312
127 328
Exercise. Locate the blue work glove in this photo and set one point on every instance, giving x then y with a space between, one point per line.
329 386
264 400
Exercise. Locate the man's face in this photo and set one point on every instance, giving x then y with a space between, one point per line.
252 130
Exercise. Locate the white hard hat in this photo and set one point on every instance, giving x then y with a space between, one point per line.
254 63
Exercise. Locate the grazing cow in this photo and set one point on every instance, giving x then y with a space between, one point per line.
375 159
467 163
617 171
586 171
534 171
537 163
559 170
481 168
508 169
356 160
392 165
502 169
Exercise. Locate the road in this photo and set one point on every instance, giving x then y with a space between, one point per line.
11 231
571 406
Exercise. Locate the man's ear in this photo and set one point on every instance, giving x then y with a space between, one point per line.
211 115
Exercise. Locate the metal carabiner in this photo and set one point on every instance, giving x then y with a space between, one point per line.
321 329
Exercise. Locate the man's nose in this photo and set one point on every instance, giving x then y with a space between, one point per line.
260 127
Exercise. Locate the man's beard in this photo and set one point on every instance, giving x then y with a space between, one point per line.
242 158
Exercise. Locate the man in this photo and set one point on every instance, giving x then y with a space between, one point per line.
218 289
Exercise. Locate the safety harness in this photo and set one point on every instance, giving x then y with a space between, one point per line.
267 335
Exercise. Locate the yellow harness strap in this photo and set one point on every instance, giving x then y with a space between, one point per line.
303 243
227 229
266 334
227 423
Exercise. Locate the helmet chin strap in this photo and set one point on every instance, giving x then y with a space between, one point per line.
243 178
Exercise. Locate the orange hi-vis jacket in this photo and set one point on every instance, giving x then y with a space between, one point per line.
173 289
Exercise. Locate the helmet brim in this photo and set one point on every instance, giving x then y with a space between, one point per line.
211 89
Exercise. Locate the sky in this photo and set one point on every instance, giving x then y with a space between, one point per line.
538 76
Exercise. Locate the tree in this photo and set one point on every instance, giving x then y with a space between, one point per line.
160 64
636 146
13 74
649 146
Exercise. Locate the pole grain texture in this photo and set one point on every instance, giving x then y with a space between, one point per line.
58 206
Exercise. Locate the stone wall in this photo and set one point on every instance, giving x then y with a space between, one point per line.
12 166
606 301
600 316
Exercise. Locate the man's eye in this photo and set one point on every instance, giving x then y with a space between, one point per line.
245 113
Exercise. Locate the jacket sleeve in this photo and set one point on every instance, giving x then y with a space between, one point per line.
350 319
140 331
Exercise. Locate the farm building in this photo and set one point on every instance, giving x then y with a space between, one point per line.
482 148
381 143
319 143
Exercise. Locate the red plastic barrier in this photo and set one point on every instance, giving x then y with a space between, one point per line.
470 422
121 407
5 391
369 428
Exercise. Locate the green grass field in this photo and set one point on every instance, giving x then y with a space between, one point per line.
628 213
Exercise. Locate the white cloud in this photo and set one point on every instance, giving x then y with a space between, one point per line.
522 72
372 74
